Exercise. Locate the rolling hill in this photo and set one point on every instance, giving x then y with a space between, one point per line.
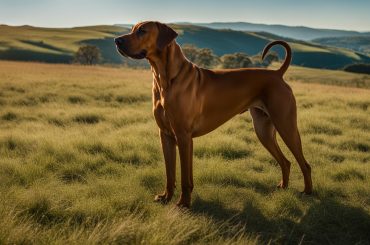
305 53
54 45
57 45
357 43
296 32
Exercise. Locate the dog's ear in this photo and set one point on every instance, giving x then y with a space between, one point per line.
165 35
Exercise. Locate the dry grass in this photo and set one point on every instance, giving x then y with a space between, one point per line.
80 162
323 76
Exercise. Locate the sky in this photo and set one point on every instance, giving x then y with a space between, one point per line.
332 14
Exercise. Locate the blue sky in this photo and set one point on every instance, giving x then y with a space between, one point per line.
336 14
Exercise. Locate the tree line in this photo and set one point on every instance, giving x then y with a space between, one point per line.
203 57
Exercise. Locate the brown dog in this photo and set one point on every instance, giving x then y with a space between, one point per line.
189 101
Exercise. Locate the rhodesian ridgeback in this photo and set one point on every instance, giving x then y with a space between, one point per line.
189 101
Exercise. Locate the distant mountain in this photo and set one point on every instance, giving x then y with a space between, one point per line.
296 32
58 45
357 43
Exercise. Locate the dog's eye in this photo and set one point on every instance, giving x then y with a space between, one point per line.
141 31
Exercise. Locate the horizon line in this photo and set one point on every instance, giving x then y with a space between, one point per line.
193 23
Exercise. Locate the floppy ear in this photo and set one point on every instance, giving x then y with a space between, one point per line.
165 35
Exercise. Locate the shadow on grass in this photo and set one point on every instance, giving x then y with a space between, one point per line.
29 55
41 44
226 152
235 181
327 221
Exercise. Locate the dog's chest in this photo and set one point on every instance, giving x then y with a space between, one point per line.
159 112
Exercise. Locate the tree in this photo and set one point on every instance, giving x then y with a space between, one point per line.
203 57
236 60
190 52
270 57
87 55
206 58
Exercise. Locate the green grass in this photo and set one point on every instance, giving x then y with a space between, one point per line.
80 162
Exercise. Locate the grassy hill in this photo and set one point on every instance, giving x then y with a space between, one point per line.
57 45
80 163
357 43
295 32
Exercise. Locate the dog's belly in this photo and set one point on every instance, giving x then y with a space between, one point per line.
206 122
210 121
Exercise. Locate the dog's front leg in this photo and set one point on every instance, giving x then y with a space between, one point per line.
169 151
185 144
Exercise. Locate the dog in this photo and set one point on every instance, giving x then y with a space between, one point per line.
189 101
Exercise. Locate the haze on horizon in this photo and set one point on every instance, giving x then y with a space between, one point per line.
330 14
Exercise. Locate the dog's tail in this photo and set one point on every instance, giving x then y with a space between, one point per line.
288 54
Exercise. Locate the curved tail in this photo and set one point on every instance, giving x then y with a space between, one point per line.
288 54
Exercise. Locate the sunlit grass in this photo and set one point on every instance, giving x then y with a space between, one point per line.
80 162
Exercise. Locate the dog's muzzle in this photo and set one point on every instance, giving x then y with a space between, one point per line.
119 43
122 50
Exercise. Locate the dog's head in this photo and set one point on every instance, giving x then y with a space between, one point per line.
145 39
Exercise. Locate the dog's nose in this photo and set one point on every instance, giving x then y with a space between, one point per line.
118 41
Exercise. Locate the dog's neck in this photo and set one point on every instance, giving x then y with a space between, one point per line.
167 64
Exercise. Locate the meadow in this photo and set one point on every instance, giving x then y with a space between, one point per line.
80 163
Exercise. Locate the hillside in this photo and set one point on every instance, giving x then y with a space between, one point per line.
357 43
80 163
295 32
57 45
304 53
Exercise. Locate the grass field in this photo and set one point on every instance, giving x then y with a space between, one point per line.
80 162
324 76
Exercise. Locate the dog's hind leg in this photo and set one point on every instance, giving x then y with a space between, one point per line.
266 133
283 112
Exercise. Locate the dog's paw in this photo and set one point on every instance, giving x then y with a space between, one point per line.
183 202
281 185
163 198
